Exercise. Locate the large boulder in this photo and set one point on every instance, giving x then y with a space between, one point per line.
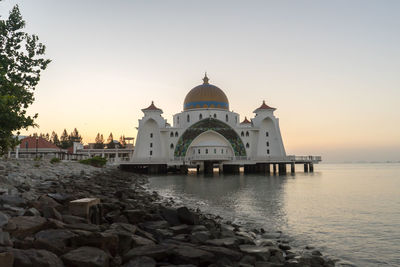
3 219
54 240
86 257
170 215
157 252
5 239
22 226
35 257
187 216
192 255
141 262
14 201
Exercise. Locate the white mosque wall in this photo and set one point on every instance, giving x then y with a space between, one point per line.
187 118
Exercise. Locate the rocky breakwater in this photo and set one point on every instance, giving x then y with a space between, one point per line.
128 227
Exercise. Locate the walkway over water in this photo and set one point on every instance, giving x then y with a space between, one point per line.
226 164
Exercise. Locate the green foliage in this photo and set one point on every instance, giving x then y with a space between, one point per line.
95 161
55 160
99 141
21 63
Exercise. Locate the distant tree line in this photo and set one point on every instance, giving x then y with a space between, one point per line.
64 141
110 143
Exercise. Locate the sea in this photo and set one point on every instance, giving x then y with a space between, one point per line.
350 212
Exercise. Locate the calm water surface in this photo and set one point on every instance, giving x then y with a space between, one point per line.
350 211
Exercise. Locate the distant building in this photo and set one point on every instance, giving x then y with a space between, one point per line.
32 146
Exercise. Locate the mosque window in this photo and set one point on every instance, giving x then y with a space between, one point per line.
266 134
242 133
151 135
247 133
151 152
215 116
198 151
200 116
188 118
222 151
267 143
247 145
215 151
171 134
268 151
176 134
206 150
236 119
151 144
171 146
177 118
226 117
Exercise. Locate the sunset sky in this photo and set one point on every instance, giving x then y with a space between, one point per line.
331 68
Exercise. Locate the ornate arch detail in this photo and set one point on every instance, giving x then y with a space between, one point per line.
205 125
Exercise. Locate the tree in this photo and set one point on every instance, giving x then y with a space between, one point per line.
75 136
21 63
122 141
65 142
47 137
54 139
99 141
110 138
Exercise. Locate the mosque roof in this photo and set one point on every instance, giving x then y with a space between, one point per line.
206 95
245 121
264 107
151 107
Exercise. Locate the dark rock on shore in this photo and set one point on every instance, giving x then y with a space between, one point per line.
133 227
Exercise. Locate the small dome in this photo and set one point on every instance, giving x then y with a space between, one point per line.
206 96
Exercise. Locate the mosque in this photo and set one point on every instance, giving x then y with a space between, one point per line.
206 134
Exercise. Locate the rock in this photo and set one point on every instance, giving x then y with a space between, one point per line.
15 201
264 242
45 201
262 253
32 212
84 226
27 225
157 252
54 240
223 252
141 241
191 255
135 216
35 257
200 237
186 216
267 264
5 239
170 215
86 257
3 219
70 219
6 259
61 198
50 212
105 241
180 229
141 262
227 242
155 225
199 228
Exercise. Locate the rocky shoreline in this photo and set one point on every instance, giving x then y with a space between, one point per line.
133 227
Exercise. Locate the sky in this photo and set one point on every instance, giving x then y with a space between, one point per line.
331 68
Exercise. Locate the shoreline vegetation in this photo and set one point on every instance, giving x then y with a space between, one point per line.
130 227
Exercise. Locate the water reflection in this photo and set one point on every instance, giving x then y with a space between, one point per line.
349 210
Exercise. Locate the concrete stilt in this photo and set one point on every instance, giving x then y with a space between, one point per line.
282 168
311 167
305 167
274 167
183 169
292 167
208 167
231 169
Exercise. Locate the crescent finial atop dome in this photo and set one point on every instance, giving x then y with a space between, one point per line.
205 79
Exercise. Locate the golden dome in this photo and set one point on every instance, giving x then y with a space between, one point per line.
206 96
